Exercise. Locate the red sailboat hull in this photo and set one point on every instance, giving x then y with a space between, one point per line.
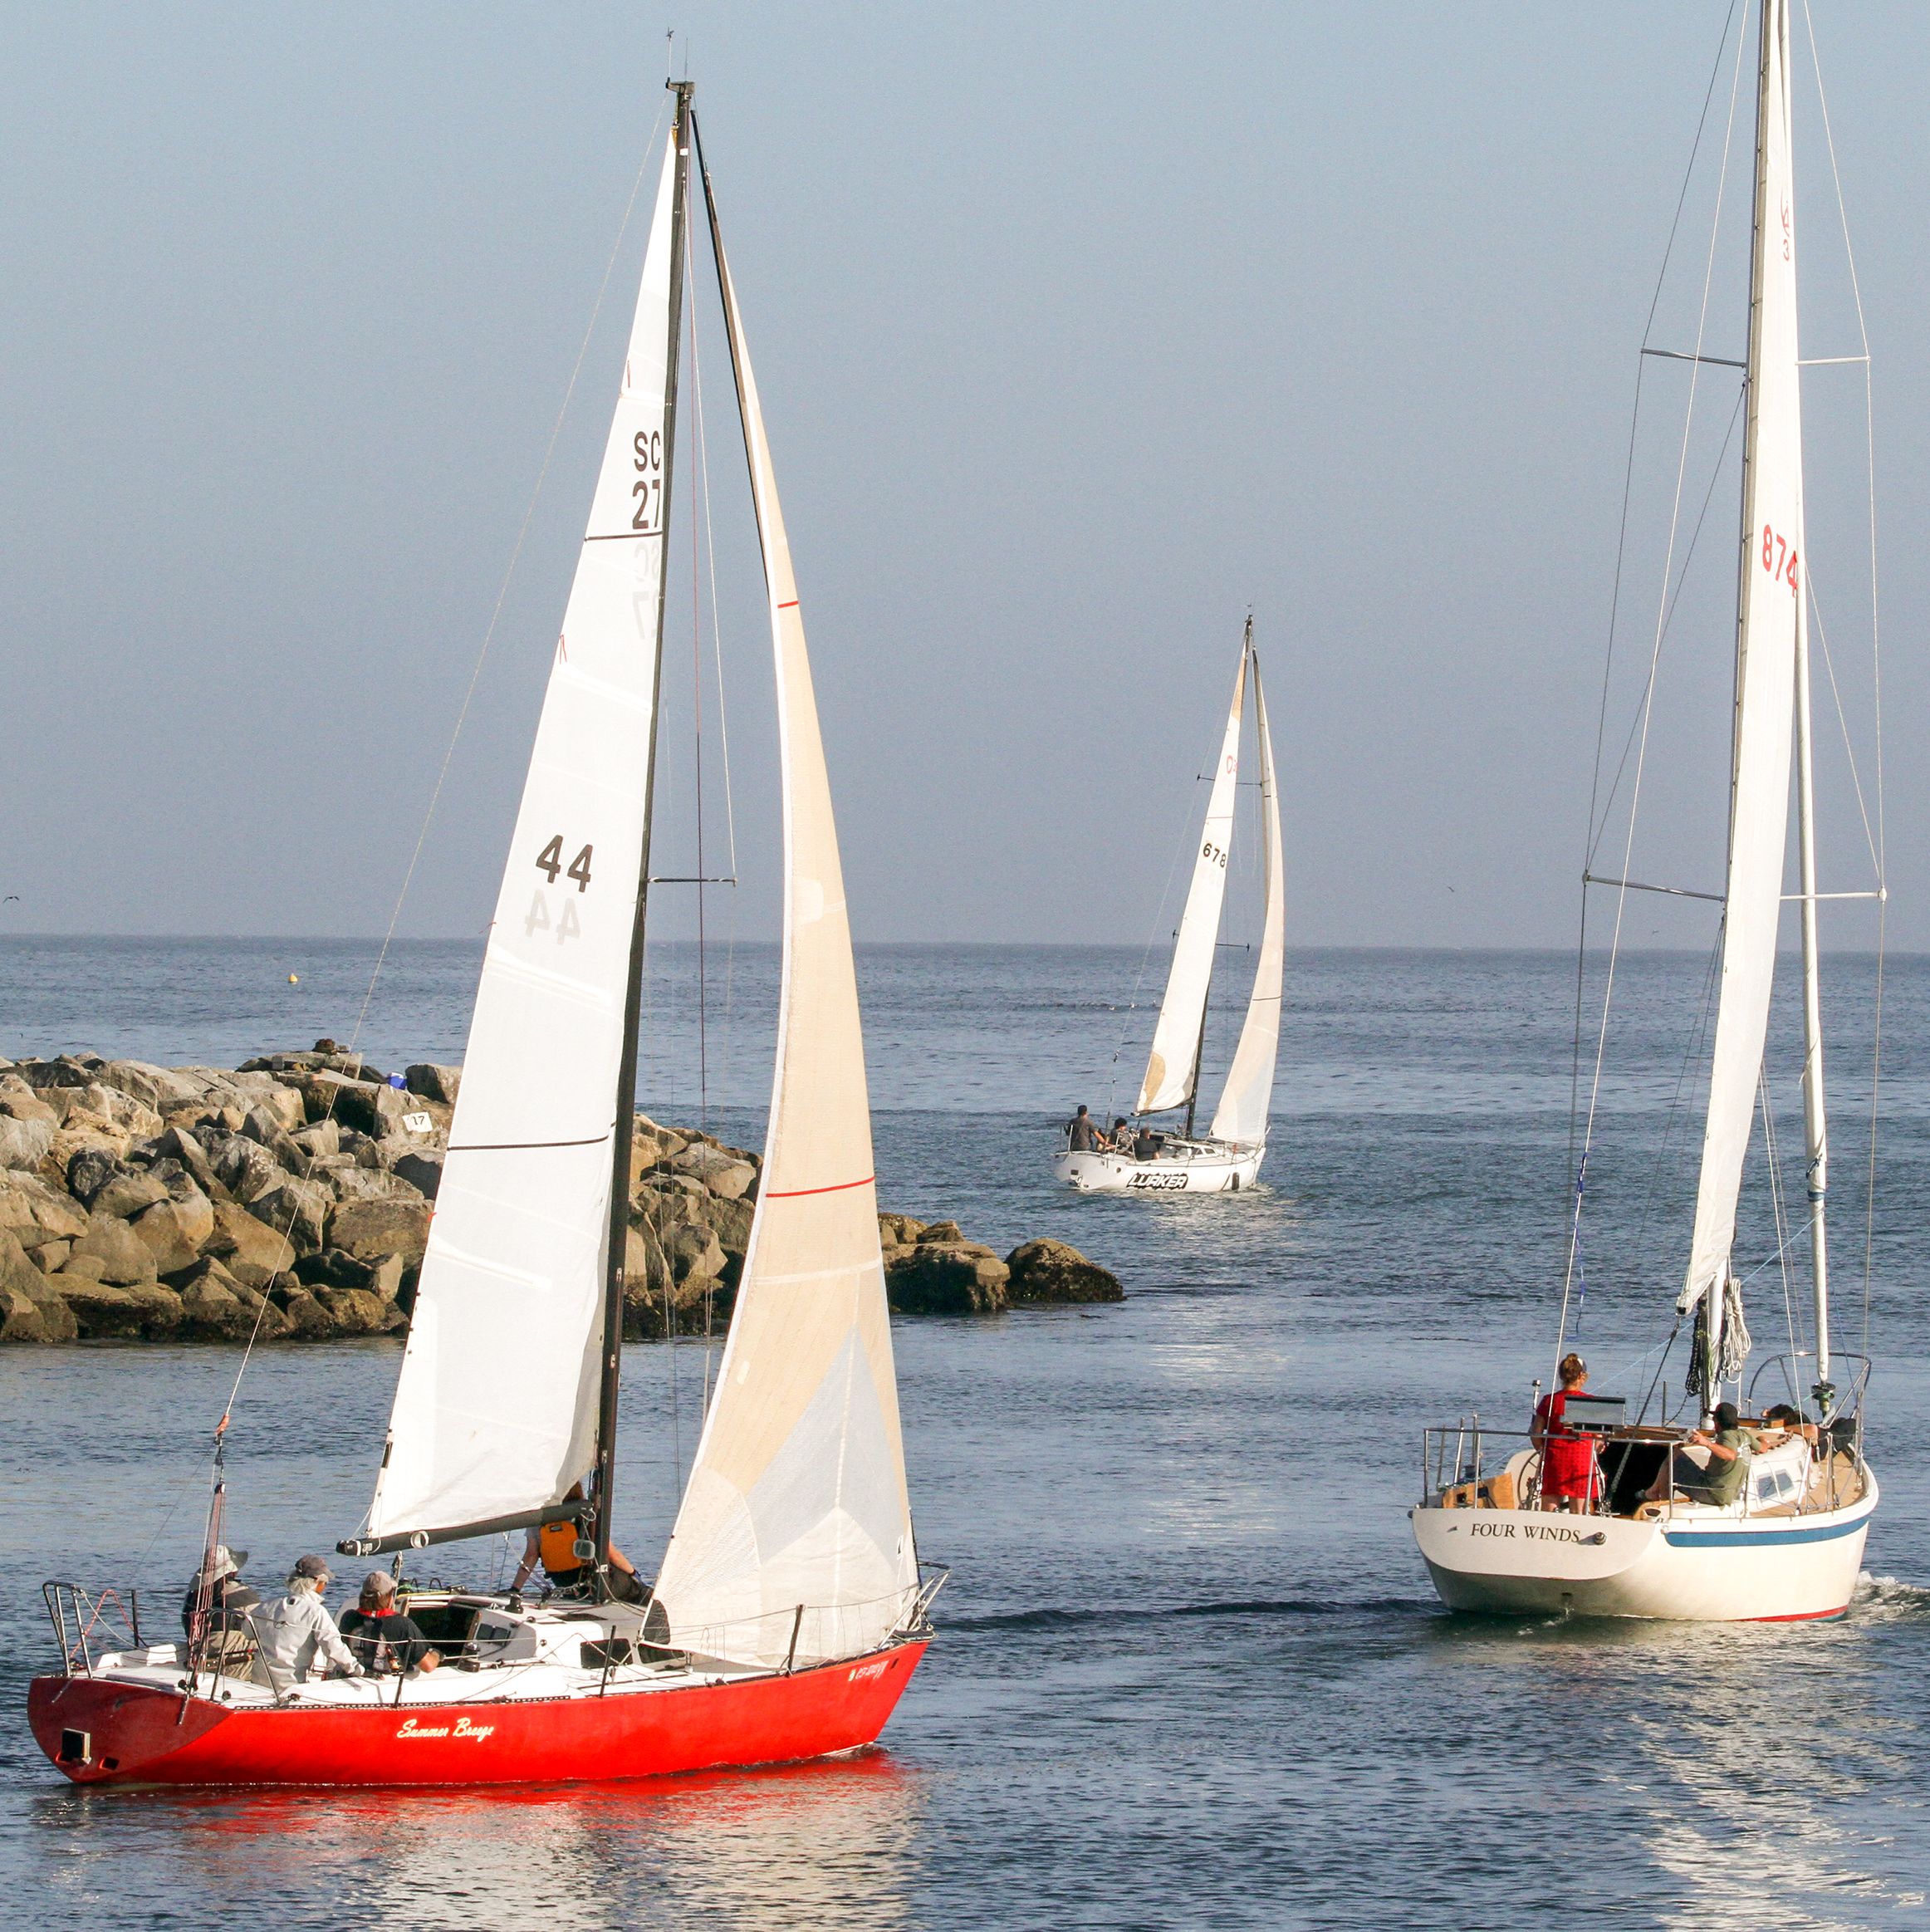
140 1734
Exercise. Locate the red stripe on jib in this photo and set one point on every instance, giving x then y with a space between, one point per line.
797 1194
791 605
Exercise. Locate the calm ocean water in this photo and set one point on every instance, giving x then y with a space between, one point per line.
1190 1671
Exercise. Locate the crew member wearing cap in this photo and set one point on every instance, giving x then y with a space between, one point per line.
381 1637
296 1630
229 1599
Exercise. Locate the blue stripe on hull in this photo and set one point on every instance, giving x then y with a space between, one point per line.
1758 1539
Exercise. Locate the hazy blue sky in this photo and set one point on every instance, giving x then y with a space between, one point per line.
1080 328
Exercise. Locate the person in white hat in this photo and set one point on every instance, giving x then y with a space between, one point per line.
229 1599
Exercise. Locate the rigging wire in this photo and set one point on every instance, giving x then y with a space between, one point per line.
461 720
1647 706
1876 663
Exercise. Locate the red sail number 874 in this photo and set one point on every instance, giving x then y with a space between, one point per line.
1778 559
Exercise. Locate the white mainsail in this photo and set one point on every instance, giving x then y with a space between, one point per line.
495 1411
1772 591
1247 1099
1174 1062
794 1539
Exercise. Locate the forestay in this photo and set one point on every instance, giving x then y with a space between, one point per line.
794 1539
1174 1064
1248 1098
495 1413
1771 589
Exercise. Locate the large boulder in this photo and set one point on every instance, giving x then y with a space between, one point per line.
182 1145
730 1220
435 1083
356 1183
256 1255
694 1251
422 1168
34 1212
21 1319
174 1231
1054 1271
103 1309
24 1143
723 1173
246 1168
356 1311
121 1258
945 1278
22 1281
211 1308
125 1193
19 1101
298 1210
370 1229
363 1105
159 1088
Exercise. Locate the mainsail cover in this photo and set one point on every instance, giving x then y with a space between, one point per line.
495 1413
1772 586
1248 1098
1172 1063
793 1538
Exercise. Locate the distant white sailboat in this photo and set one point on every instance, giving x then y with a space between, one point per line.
1645 1534
788 1614
1228 1157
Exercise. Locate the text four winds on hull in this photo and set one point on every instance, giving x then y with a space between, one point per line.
1141 1160
789 1611
1760 1511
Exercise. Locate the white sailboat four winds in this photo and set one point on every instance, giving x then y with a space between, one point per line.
1228 1158
1658 1523
789 1614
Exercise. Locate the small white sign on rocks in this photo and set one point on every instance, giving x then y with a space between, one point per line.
418 1123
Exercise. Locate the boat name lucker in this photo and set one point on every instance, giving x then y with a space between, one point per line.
461 1729
1546 1533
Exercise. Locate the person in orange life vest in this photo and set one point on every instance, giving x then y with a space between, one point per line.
1569 1479
553 1545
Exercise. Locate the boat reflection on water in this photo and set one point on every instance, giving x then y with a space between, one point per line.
828 1843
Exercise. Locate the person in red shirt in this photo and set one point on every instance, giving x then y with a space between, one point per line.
1569 1479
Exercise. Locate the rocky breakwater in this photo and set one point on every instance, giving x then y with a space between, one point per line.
290 1199
692 1198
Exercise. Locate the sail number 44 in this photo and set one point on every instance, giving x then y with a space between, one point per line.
550 864
1779 559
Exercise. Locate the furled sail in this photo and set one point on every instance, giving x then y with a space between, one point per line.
496 1409
1173 1063
1772 587
1248 1098
793 1538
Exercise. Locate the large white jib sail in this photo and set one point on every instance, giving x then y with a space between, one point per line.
1769 608
793 1542
1173 1068
495 1413
1248 1098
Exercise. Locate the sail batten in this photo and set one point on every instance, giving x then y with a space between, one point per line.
1172 1066
495 1410
1769 604
793 1540
1247 1099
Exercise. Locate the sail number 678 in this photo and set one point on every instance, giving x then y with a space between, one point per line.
1779 559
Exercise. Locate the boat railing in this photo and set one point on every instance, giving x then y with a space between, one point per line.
1468 1465
807 1634
1845 1423
90 1622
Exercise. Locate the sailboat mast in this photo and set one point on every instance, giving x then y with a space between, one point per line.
626 1078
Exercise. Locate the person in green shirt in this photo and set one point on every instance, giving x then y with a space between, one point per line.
1720 1482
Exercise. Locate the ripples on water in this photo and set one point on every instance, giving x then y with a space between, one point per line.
1190 1671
